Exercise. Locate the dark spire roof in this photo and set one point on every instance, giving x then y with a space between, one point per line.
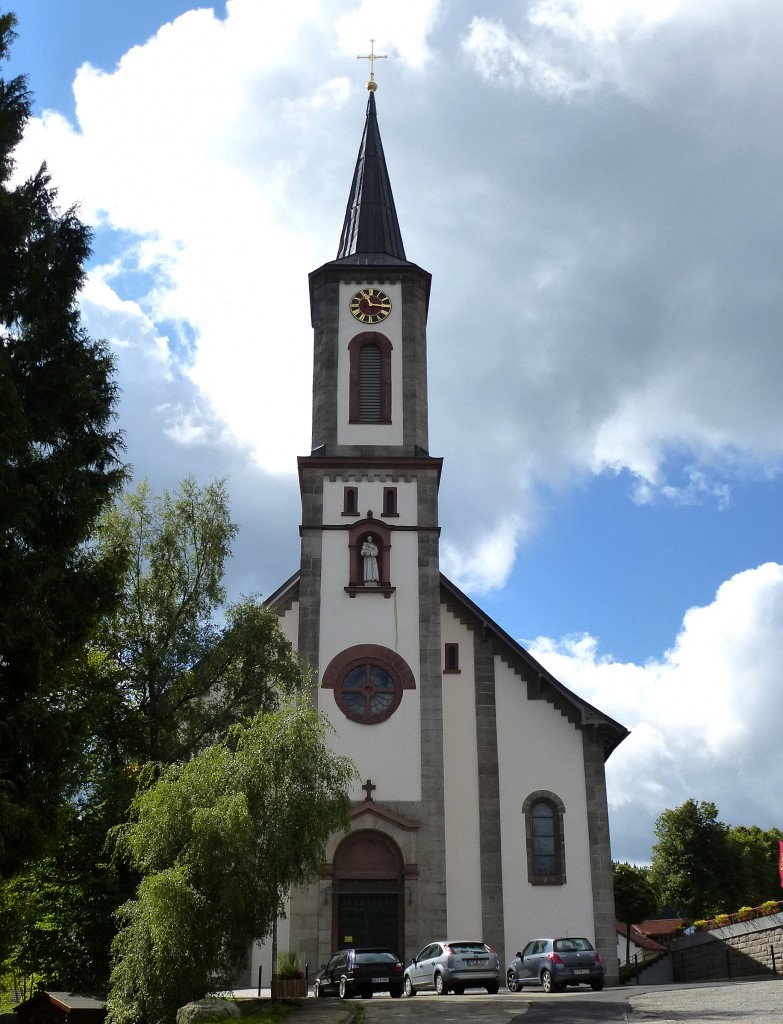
371 231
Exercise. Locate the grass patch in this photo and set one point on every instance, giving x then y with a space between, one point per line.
268 1013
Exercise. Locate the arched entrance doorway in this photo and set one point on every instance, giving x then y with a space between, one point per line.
369 905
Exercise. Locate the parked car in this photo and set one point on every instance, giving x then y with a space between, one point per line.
555 963
361 972
449 965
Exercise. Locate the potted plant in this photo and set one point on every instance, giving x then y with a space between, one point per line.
721 920
291 981
745 913
769 907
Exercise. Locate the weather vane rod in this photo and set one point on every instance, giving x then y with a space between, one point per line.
372 56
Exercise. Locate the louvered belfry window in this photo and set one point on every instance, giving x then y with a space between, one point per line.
370 378
370 384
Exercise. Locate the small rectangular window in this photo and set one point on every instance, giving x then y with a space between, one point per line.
451 658
351 501
390 501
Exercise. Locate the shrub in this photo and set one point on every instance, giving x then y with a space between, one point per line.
289 965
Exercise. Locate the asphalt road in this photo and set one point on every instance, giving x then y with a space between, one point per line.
731 1002
742 1002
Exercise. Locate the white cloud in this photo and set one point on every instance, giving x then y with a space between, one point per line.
404 25
606 274
705 720
570 48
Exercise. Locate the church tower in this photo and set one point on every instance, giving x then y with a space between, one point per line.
369 582
482 807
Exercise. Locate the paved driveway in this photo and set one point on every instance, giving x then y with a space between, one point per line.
730 1002
742 1002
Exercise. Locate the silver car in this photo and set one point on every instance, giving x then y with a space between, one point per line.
449 965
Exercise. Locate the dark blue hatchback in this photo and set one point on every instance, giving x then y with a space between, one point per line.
556 963
360 972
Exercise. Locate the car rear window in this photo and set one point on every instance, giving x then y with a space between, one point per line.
374 958
572 946
468 947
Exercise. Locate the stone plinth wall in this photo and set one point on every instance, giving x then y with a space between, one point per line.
739 950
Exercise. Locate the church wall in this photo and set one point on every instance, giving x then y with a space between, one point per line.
370 485
357 433
540 750
391 622
430 908
289 623
461 790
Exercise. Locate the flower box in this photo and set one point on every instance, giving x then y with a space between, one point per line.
291 988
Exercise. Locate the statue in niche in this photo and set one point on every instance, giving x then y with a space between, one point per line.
369 553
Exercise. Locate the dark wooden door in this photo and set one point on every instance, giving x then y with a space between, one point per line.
368 919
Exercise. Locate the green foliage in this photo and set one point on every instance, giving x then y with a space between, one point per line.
757 851
59 469
269 1013
177 676
695 867
170 672
59 922
289 965
634 898
219 842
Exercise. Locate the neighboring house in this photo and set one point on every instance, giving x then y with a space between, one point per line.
662 930
640 944
482 809
61 1008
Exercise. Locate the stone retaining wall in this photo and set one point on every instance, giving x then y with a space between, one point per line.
738 950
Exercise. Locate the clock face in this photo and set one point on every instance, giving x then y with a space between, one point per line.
370 306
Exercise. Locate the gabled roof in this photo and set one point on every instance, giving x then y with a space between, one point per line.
639 938
541 684
660 926
371 232
66 1001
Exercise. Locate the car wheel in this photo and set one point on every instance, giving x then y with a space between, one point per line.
596 986
512 982
409 989
440 985
458 990
317 992
493 988
546 981
343 988
395 991
366 993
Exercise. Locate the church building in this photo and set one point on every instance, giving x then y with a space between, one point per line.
482 812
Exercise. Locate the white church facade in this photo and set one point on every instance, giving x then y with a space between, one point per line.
482 812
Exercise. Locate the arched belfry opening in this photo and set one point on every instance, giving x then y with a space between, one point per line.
368 908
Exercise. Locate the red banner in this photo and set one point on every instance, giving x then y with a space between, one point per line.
780 860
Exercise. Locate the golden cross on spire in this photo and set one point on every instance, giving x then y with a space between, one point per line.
372 56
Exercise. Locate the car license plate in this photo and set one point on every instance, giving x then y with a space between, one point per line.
379 981
474 963
581 970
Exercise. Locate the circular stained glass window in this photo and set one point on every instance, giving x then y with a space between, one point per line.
368 693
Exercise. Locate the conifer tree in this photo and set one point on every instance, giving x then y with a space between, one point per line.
59 469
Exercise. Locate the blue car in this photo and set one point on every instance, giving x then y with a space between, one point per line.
556 963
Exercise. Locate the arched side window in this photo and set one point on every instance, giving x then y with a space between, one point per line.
544 838
369 378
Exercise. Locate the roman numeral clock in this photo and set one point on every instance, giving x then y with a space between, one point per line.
370 306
